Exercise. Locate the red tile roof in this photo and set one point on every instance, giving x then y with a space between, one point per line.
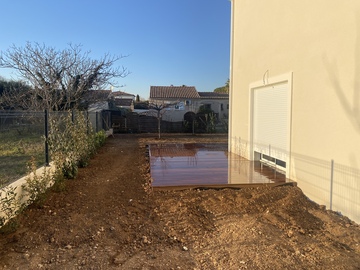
213 95
163 92
120 93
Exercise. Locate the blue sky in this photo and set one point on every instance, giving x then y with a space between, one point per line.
166 41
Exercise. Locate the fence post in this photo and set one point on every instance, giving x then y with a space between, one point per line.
331 182
96 120
46 138
87 122
72 116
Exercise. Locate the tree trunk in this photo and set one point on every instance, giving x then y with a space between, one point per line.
159 123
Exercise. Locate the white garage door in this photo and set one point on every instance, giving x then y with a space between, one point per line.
271 123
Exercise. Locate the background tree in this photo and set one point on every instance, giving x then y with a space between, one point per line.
60 78
158 109
14 95
206 118
142 105
223 89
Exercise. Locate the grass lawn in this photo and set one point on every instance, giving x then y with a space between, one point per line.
16 150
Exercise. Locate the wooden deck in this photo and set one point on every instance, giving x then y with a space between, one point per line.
183 166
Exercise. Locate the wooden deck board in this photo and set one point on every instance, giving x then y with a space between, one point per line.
199 165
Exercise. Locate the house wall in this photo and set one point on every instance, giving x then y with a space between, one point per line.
99 106
318 43
175 115
172 115
216 107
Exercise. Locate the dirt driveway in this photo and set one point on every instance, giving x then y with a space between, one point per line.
108 218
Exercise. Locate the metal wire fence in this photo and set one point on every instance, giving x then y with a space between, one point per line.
22 139
325 181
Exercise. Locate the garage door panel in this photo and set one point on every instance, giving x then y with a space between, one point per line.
271 110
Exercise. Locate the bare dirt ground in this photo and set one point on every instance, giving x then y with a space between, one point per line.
108 218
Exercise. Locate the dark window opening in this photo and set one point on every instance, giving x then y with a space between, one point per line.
273 160
281 163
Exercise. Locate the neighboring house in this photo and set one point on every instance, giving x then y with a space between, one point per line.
106 105
97 100
97 103
295 94
184 99
218 102
123 100
124 103
122 95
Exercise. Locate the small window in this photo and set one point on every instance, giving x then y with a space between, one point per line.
222 106
187 102
271 159
281 163
275 161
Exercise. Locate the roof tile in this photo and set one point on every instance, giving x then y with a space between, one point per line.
163 92
213 95
120 93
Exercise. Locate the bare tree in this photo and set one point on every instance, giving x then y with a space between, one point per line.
158 109
60 78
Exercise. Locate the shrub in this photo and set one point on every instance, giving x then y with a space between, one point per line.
73 146
9 206
36 185
99 139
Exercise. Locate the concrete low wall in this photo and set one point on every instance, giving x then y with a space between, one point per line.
21 196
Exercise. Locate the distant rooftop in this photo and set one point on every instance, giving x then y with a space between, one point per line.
97 95
159 92
213 95
120 93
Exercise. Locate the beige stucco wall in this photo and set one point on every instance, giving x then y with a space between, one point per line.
319 42
174 115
